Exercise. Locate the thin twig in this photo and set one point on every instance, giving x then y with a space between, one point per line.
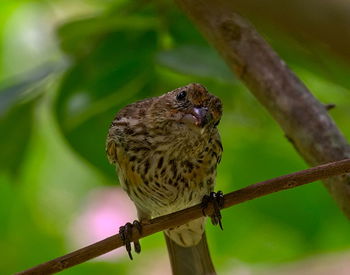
178 218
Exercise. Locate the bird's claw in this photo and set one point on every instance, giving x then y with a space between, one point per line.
125 233
217 199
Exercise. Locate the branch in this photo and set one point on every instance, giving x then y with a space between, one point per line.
302 117
181 217
296 19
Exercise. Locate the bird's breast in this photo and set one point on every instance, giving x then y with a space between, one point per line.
166 179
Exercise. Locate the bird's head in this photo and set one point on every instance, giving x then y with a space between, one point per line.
190 106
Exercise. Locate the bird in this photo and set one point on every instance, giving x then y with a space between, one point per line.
166 150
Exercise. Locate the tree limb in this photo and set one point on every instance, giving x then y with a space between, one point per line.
181 217
297 20
302 117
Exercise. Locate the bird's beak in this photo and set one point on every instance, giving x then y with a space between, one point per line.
198 116
202 116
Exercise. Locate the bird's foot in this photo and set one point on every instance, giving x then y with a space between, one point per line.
217 199
125 233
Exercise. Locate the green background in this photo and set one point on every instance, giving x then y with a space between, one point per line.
66 68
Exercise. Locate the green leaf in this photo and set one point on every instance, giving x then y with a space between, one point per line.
80 37
15 129
196 60
16 106
118 67
23 88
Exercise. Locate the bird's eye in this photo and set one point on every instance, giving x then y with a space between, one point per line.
181 96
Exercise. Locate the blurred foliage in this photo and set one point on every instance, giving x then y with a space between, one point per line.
67 67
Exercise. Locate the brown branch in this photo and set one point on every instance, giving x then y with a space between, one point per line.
302 117
161 223
297 20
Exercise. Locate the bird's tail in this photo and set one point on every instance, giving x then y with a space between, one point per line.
192 260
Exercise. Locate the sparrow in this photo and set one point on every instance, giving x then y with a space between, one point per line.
166 150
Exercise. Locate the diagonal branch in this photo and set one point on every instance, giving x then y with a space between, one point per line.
302 117
178 218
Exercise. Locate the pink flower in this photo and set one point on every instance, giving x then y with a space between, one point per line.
105 210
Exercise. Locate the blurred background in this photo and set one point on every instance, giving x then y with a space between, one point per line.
66 68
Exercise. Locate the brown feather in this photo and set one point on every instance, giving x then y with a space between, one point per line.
194 260
166 150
